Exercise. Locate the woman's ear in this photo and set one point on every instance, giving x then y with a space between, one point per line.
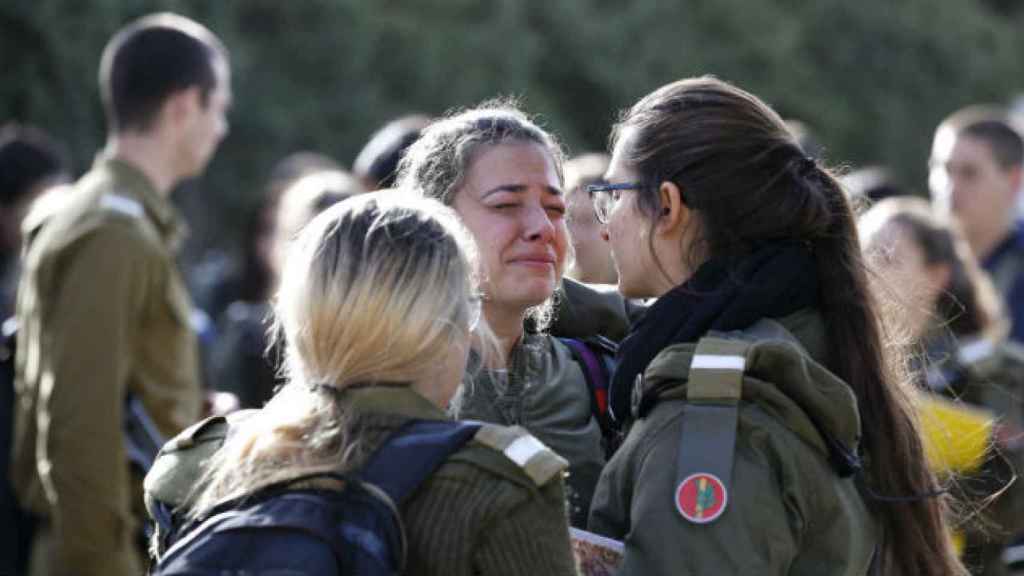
674 215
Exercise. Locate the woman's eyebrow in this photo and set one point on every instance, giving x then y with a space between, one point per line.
519 188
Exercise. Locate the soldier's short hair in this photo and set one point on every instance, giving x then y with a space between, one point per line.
149 60
992 125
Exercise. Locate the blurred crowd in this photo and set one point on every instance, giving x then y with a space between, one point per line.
112 346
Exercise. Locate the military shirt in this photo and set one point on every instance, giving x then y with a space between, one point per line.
102 313
490 508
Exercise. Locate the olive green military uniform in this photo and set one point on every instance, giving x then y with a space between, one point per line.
543 390
786 509
491 508
991 375
102 313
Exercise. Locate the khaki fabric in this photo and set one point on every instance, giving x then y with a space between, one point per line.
543 390
102 312
788 511
491 508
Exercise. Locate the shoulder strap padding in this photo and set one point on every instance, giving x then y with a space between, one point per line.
536 460
180 461
413 453
709 423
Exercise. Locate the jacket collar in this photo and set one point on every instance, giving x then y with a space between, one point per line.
133 183
393 400
783 373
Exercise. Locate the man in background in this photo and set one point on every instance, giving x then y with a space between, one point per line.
975 175
102 309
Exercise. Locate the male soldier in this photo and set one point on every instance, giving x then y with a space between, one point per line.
103 311
976 166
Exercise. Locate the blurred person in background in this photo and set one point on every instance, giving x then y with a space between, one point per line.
976 168
592 262
244 363
952 317
30 163
376 165
104 315
503 176
867 186
218 281
767 434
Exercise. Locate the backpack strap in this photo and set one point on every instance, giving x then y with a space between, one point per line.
413 453
596 358
710 416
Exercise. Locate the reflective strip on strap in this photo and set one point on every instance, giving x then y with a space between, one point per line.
717 362
716 370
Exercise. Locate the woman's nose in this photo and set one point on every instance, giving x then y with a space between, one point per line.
537 224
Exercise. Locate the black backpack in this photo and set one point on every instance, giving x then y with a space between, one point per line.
354 530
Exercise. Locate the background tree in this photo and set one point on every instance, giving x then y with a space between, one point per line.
872 78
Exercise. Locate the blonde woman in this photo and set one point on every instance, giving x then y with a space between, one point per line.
376 304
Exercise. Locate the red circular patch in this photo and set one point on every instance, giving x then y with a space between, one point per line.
701 498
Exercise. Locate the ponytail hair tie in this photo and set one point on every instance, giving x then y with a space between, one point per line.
807 165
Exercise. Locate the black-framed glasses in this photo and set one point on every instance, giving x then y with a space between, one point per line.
605 196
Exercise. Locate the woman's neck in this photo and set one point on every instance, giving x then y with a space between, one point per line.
506 324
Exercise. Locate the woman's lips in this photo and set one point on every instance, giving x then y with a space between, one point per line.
540 262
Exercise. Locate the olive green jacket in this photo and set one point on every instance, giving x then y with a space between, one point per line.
102 312
544 391
788 511
479 513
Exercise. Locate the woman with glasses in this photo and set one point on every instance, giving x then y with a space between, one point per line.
377 303
503 176
767 434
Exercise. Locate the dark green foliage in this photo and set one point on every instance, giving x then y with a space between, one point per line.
872 78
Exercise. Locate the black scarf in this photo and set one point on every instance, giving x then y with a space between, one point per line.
724 294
